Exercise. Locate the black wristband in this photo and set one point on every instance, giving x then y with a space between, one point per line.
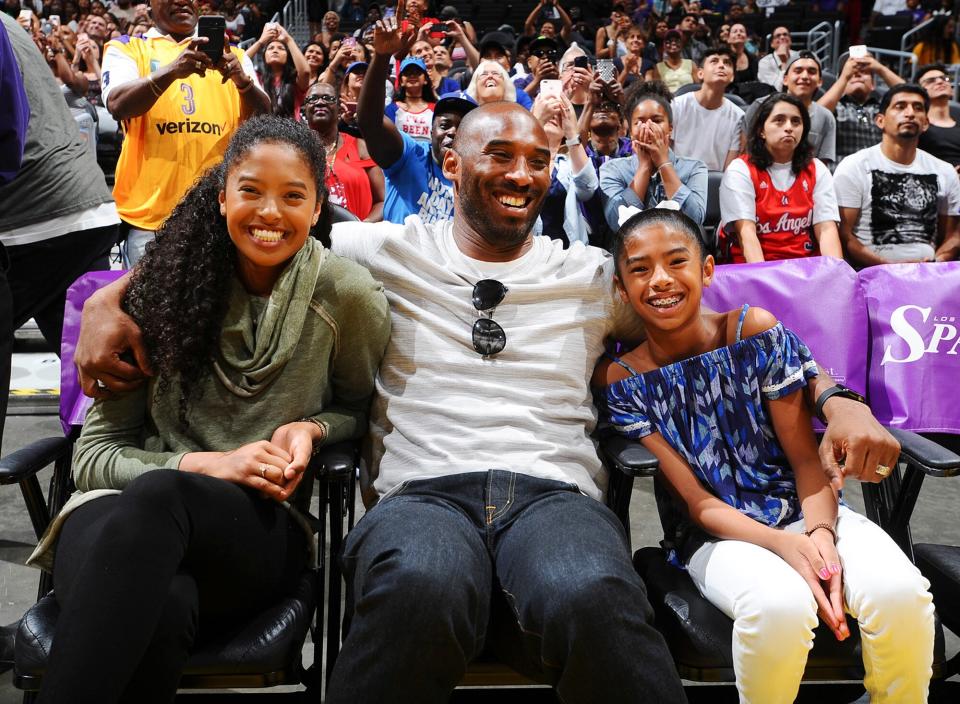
837 390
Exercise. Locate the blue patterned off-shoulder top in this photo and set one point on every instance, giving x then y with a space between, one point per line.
710 409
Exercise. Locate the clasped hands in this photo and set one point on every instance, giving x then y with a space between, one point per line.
272 467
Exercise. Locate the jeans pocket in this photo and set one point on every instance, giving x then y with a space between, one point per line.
395 491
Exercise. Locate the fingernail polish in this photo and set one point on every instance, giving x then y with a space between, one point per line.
824 573
834 568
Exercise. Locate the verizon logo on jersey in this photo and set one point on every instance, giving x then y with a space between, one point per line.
190 127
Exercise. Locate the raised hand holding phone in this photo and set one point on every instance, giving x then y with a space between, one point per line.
213 28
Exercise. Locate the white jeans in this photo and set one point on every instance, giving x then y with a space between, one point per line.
135 245
774 613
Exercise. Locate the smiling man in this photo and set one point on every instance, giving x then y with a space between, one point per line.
483 483
483 468
179 109
415 182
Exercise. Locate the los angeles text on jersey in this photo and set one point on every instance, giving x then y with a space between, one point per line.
189 126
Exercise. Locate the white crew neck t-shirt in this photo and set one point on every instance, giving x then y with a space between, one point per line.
441 408
707 135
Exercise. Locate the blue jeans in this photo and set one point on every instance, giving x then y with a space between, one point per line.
423 565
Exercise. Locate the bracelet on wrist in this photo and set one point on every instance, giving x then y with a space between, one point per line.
154 86
572 141
318 443
247 86
666 163
824 526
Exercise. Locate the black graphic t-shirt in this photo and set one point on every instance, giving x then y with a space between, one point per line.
904 207
899 203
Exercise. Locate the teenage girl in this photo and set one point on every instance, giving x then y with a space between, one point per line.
750 514
777 201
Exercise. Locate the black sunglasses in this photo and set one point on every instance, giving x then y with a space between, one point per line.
315 98
488 337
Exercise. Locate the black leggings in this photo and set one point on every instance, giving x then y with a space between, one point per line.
142 576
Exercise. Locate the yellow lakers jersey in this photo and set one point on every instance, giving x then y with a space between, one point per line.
167 148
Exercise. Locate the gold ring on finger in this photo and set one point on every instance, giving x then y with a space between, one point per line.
199 64
883 470
263 471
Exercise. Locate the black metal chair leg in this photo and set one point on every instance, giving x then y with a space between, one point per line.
338 491
36 505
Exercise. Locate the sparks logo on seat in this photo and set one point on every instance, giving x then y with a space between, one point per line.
912 324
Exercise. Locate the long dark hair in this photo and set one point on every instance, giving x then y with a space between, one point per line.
179 291
757 147
282 97
933 37
428 95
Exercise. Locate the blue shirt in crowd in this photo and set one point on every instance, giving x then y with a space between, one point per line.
415 185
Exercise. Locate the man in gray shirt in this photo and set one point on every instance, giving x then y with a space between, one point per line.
802 80
57 218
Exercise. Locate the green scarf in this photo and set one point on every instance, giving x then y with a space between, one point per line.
257 338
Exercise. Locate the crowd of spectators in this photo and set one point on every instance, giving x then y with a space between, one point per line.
650 104
675 82
640 104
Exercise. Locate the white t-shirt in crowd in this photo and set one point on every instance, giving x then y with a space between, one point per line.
705 134
440 407
889 7
738 200
899 204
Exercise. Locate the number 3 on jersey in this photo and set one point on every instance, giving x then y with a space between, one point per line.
189 106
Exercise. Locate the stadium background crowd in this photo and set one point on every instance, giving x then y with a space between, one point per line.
641 101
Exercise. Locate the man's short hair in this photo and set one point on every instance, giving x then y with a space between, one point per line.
904 88
696 18
719 51
806 55
927 68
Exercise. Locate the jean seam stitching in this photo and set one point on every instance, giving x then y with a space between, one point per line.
509 501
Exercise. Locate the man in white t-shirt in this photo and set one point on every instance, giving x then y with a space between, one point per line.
772 67
483 466
706 125
897 202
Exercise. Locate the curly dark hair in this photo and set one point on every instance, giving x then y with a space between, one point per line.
179 291
757 147
656 91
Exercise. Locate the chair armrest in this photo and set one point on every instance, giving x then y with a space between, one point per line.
29 460
926 455
335 460
629 456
